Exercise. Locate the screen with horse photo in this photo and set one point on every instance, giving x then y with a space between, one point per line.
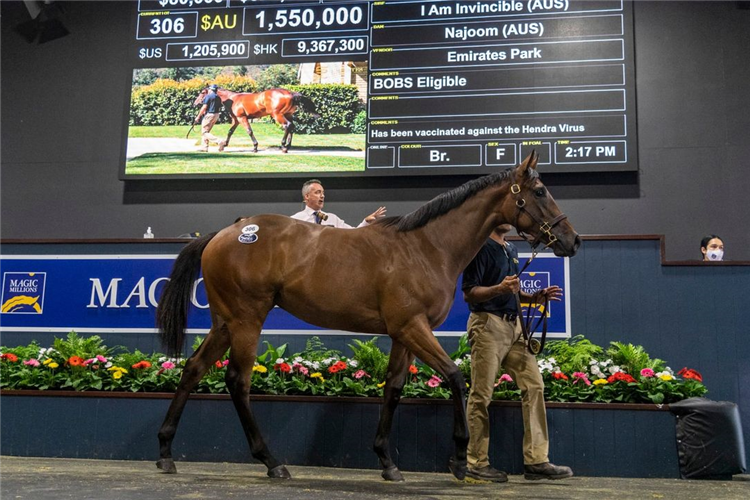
233 88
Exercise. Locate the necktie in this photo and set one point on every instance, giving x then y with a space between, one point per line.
317 217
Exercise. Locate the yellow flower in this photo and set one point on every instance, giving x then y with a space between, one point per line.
260 369
316 375
116 370
666 376
47 361
117 375
600 381
381 384
53 365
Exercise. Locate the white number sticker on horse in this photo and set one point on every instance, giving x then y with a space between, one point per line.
250 228
248 238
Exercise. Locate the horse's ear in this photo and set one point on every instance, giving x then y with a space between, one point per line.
528 163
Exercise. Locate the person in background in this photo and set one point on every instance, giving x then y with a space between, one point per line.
490 283
208 116
712 248
313 196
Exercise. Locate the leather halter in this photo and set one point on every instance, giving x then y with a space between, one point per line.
533 345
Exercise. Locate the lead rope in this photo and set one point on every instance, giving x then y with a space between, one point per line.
533 345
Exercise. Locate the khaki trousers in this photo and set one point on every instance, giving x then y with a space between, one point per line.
494 343
208 122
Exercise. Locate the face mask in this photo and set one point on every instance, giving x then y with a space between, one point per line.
715 254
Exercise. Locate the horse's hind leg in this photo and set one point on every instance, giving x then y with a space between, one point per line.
212 348
398 365
419 339
245 335
288 126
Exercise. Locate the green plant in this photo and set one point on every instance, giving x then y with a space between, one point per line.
573 354
84 347
370 358
632 359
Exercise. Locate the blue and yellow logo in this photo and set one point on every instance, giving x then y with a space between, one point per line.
532 283
23 293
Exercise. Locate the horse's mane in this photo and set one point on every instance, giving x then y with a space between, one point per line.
446 202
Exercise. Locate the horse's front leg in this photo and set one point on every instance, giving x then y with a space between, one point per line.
213 348
398 365
246 124
420 340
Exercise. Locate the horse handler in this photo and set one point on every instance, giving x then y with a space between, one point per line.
489 284
210 112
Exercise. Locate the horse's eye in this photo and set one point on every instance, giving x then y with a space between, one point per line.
539 193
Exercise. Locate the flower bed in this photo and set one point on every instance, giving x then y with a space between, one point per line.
574 371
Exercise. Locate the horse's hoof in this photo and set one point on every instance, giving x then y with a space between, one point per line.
458 468
167 465
392 474
279 472
255 149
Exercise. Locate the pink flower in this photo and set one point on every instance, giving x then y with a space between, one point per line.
168 365
89 361
434 381
582 377
505 378
101 358
31 362
361 373
300 368
647 372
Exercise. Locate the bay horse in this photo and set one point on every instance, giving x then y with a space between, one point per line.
242 107
396 276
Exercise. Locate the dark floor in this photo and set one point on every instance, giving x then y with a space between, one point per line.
54 478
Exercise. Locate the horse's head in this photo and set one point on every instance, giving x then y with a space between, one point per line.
202 95
537 214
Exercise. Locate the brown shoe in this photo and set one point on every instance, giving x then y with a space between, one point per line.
546 471
487 473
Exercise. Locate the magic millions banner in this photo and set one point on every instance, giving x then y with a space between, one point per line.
120 293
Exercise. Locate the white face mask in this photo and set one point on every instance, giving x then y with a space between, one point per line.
715 254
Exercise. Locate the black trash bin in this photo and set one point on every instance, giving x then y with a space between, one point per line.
710 444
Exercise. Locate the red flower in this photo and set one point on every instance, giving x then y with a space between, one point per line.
219 364
413 369
9 356
690 373
620 376
75 361
337 367
283 367
560 375
142 364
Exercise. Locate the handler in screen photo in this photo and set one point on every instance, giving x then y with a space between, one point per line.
210 112
313 196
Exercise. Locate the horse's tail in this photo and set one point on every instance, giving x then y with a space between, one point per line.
307 103
171 315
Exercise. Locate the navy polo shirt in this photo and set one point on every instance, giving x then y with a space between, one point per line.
490 266
214 103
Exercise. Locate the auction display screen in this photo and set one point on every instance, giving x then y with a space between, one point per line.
363 88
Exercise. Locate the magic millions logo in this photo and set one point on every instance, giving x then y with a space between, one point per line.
532 283
23 293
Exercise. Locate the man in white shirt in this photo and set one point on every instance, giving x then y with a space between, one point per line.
313 195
